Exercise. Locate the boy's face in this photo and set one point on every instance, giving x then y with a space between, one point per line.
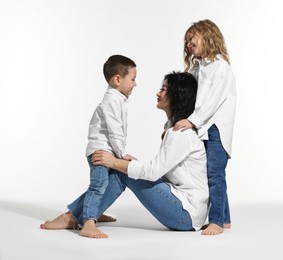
194 44
126 84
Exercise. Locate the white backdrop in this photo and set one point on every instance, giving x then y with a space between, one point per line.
51 57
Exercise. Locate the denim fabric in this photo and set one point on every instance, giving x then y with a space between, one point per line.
96 189
217 159
155 196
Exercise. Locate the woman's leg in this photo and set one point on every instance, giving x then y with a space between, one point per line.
158 199
155 196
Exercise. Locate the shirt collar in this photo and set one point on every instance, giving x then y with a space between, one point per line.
117 93
206 61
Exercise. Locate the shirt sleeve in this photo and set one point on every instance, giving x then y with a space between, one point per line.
215 91
115 125
174 149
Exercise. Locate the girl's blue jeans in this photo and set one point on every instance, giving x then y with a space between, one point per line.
155 196
96 189
217 159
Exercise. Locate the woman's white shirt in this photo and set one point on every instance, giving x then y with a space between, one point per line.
180 162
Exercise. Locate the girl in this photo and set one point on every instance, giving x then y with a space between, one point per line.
206 57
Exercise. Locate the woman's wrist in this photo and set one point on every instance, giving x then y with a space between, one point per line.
120 165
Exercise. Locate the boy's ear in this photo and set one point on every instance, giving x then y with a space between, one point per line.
116 80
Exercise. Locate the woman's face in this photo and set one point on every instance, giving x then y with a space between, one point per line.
162 100
194 44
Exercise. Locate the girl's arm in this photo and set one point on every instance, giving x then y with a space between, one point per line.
183 124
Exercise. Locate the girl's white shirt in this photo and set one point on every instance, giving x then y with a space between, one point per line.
108 125
181 163
216 99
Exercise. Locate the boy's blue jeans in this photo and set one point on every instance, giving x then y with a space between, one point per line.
217 159
155 196
96 189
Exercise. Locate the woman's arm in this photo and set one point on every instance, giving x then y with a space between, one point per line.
175 147
107 159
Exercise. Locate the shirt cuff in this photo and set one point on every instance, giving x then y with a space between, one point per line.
195 120
134 168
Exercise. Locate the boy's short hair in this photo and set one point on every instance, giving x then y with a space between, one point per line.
117 65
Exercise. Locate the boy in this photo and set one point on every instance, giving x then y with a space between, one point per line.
107 131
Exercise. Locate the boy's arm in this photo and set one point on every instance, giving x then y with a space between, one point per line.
116 127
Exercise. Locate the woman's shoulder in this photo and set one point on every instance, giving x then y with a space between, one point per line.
188 135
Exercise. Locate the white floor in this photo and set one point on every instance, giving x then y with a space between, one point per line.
256 233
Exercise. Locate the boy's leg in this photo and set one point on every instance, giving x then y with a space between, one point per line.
96 189
217 159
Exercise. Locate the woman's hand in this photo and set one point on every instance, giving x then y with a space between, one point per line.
103 158
183 124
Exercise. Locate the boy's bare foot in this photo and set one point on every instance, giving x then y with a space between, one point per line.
90 230
106 218
64 221
212 229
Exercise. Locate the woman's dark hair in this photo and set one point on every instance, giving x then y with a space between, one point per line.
181 92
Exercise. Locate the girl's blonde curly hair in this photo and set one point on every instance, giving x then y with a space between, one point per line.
212 40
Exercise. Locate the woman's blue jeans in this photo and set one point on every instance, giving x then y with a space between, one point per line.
217 159
155 196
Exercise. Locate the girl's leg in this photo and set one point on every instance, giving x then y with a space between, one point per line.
217 159
227 217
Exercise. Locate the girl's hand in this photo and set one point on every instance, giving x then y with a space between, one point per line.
183 124
103 158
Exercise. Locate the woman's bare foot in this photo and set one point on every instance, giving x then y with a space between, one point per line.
64 221
90 230
106 218
212 229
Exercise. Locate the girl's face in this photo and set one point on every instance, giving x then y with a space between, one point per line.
194 44
162 99
126 84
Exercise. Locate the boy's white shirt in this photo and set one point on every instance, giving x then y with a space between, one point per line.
216 99
181 163
108 125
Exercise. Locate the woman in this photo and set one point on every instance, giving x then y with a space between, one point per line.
173 185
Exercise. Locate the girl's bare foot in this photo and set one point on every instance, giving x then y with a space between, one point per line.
64 221
90 230
106 218
227 225
212 229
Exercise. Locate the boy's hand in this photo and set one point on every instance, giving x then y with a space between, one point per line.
183 124
129 157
